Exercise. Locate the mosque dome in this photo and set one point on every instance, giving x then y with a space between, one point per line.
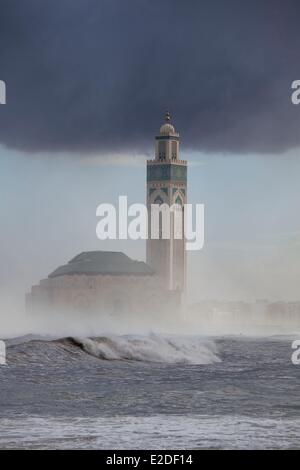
167 128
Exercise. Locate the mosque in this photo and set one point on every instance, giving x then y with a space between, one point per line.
111 282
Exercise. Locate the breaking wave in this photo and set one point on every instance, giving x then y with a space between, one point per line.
151 348
145 348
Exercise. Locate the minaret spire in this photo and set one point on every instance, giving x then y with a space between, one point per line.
167 116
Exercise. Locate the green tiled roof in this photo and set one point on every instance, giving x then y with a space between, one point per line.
102 262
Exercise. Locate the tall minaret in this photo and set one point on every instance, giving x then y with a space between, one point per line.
167 184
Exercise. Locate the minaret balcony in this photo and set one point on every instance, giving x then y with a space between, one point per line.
166 162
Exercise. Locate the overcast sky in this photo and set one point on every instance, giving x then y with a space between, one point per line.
88 82
94 75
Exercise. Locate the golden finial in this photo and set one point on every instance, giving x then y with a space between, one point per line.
167 116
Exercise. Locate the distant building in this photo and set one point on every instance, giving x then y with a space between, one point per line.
98 281
261 312
112 282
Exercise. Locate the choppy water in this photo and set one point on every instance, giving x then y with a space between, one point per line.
150 392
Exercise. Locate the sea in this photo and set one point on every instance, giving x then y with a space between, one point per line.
150 391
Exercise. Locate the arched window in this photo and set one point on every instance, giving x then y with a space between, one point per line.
162 150
158 200
174 150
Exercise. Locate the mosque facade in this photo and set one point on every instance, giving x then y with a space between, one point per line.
111 282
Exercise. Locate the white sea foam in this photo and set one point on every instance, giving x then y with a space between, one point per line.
151 348
151 432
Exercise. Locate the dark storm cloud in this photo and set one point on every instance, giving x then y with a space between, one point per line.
97 75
